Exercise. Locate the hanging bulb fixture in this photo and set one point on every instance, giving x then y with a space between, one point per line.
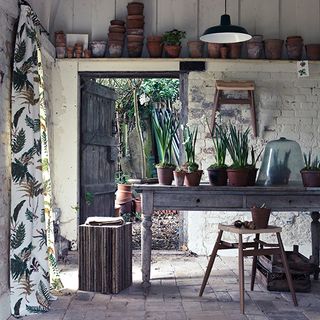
225 32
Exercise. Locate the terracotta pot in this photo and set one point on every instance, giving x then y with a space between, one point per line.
254 50
124 193
70 52
87 53
313 51
195 49
118 36
118 29
61 52
310 178
214 50
165 176
135 31
238 177
252 174
273 48
137 205
294 47
98 48
224 52
60 38
218 176
135 22
117 210
179 177
234 50
192 179
172 51
134 49
154 46
115 48
135 8
117 22
260 217
135 38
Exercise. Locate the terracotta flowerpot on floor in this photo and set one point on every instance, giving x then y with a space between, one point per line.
195 49
135 8
154 46
234 50
218 176
238 177
165 176
179 177
192 179
260 217
310 178
273 48
313 51
172 51
214 50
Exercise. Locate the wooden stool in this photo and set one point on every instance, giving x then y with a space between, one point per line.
244 252
219 98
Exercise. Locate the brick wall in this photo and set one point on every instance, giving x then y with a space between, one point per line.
286 106
6 45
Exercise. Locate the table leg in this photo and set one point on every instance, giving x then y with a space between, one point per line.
146 237
315 239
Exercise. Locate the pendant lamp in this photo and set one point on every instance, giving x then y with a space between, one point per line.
225 32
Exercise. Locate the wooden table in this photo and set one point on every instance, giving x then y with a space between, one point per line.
210 198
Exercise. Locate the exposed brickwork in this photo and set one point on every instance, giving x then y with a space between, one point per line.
286 106
6 44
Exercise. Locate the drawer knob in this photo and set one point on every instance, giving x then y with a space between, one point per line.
198 200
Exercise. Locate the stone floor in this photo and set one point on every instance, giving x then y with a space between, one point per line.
176 279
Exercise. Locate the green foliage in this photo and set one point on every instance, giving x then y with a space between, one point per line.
311 164
190 167
20 171
160 89
237 143
254 159
18 267
18 141
89 197
20 80
17 210
219 144
18 236
164 128
33 124
121 178
17 116
29 215
20 51
173 37
189 143
165 165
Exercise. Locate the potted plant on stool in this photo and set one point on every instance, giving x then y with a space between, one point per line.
193 175
164 129
172 42
238 148
311 172
217 172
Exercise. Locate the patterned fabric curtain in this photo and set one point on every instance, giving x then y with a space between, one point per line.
32 256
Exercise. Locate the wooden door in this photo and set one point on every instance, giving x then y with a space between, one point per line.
98 153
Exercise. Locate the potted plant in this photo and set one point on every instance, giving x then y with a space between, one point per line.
179 176
252 167
164 129
193 175
279 172
311 172
217 172
124 192
172 42
238 148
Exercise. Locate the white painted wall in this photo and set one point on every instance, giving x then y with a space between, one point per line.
8 13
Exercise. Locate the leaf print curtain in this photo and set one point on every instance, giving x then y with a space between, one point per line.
32 257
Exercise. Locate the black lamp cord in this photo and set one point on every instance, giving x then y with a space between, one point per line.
225 6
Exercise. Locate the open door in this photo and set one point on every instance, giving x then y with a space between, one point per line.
98 153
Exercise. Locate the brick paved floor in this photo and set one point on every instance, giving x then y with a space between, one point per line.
176 280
